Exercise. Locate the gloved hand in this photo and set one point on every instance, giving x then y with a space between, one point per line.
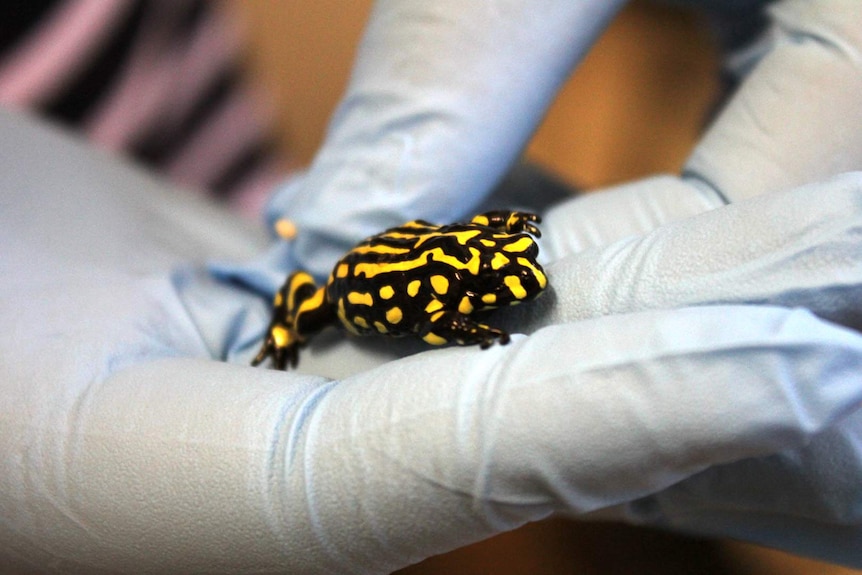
757 252
126 448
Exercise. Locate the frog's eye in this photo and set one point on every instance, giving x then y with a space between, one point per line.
534 271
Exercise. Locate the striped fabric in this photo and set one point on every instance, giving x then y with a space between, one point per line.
160 80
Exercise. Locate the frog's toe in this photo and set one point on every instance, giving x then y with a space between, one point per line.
282 345
531 229
525 222
261 356
455 327
285 357
503 337
492 335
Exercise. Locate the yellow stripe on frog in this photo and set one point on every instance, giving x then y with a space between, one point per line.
540 277
519 245
514 284
371 269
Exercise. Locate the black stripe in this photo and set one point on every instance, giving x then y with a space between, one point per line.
158 147
162 141
97 78
74 102
17 19
254 157
193 17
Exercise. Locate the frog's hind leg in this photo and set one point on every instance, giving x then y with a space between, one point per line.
293 319
510 221
454 327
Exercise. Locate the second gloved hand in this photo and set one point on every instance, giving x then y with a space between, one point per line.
799 248
794 248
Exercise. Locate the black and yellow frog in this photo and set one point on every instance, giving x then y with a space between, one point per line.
418 278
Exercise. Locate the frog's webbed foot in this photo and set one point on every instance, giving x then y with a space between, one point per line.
282 344
454 327
287 330
510 221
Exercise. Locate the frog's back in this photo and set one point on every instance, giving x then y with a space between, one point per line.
416 278
384 284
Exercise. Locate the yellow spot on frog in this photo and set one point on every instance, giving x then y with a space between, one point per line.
489 298
488 243
280 336
440 284
394 315
434 305
285 228
519 245
360 298
464 237
480 220
498 261
342 270
434 339
413 288
386 292
380 327
278 300
514 285
465 306
360 321
342 316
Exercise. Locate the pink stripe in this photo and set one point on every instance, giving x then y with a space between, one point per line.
230 132
215 45
162 82
56 50
124 111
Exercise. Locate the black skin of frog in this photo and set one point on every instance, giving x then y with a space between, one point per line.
419 278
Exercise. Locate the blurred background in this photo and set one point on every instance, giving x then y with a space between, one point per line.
634 107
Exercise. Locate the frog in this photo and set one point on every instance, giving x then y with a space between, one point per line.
432 281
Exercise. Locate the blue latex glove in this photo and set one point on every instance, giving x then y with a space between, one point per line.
126 448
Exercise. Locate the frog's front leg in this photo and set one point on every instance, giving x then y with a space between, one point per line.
509 221
454 327
300 309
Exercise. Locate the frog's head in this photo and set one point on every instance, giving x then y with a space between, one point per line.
515 266
525 278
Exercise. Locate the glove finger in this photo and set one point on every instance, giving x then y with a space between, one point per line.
817 511
797 248
209 466
476 442
631 209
